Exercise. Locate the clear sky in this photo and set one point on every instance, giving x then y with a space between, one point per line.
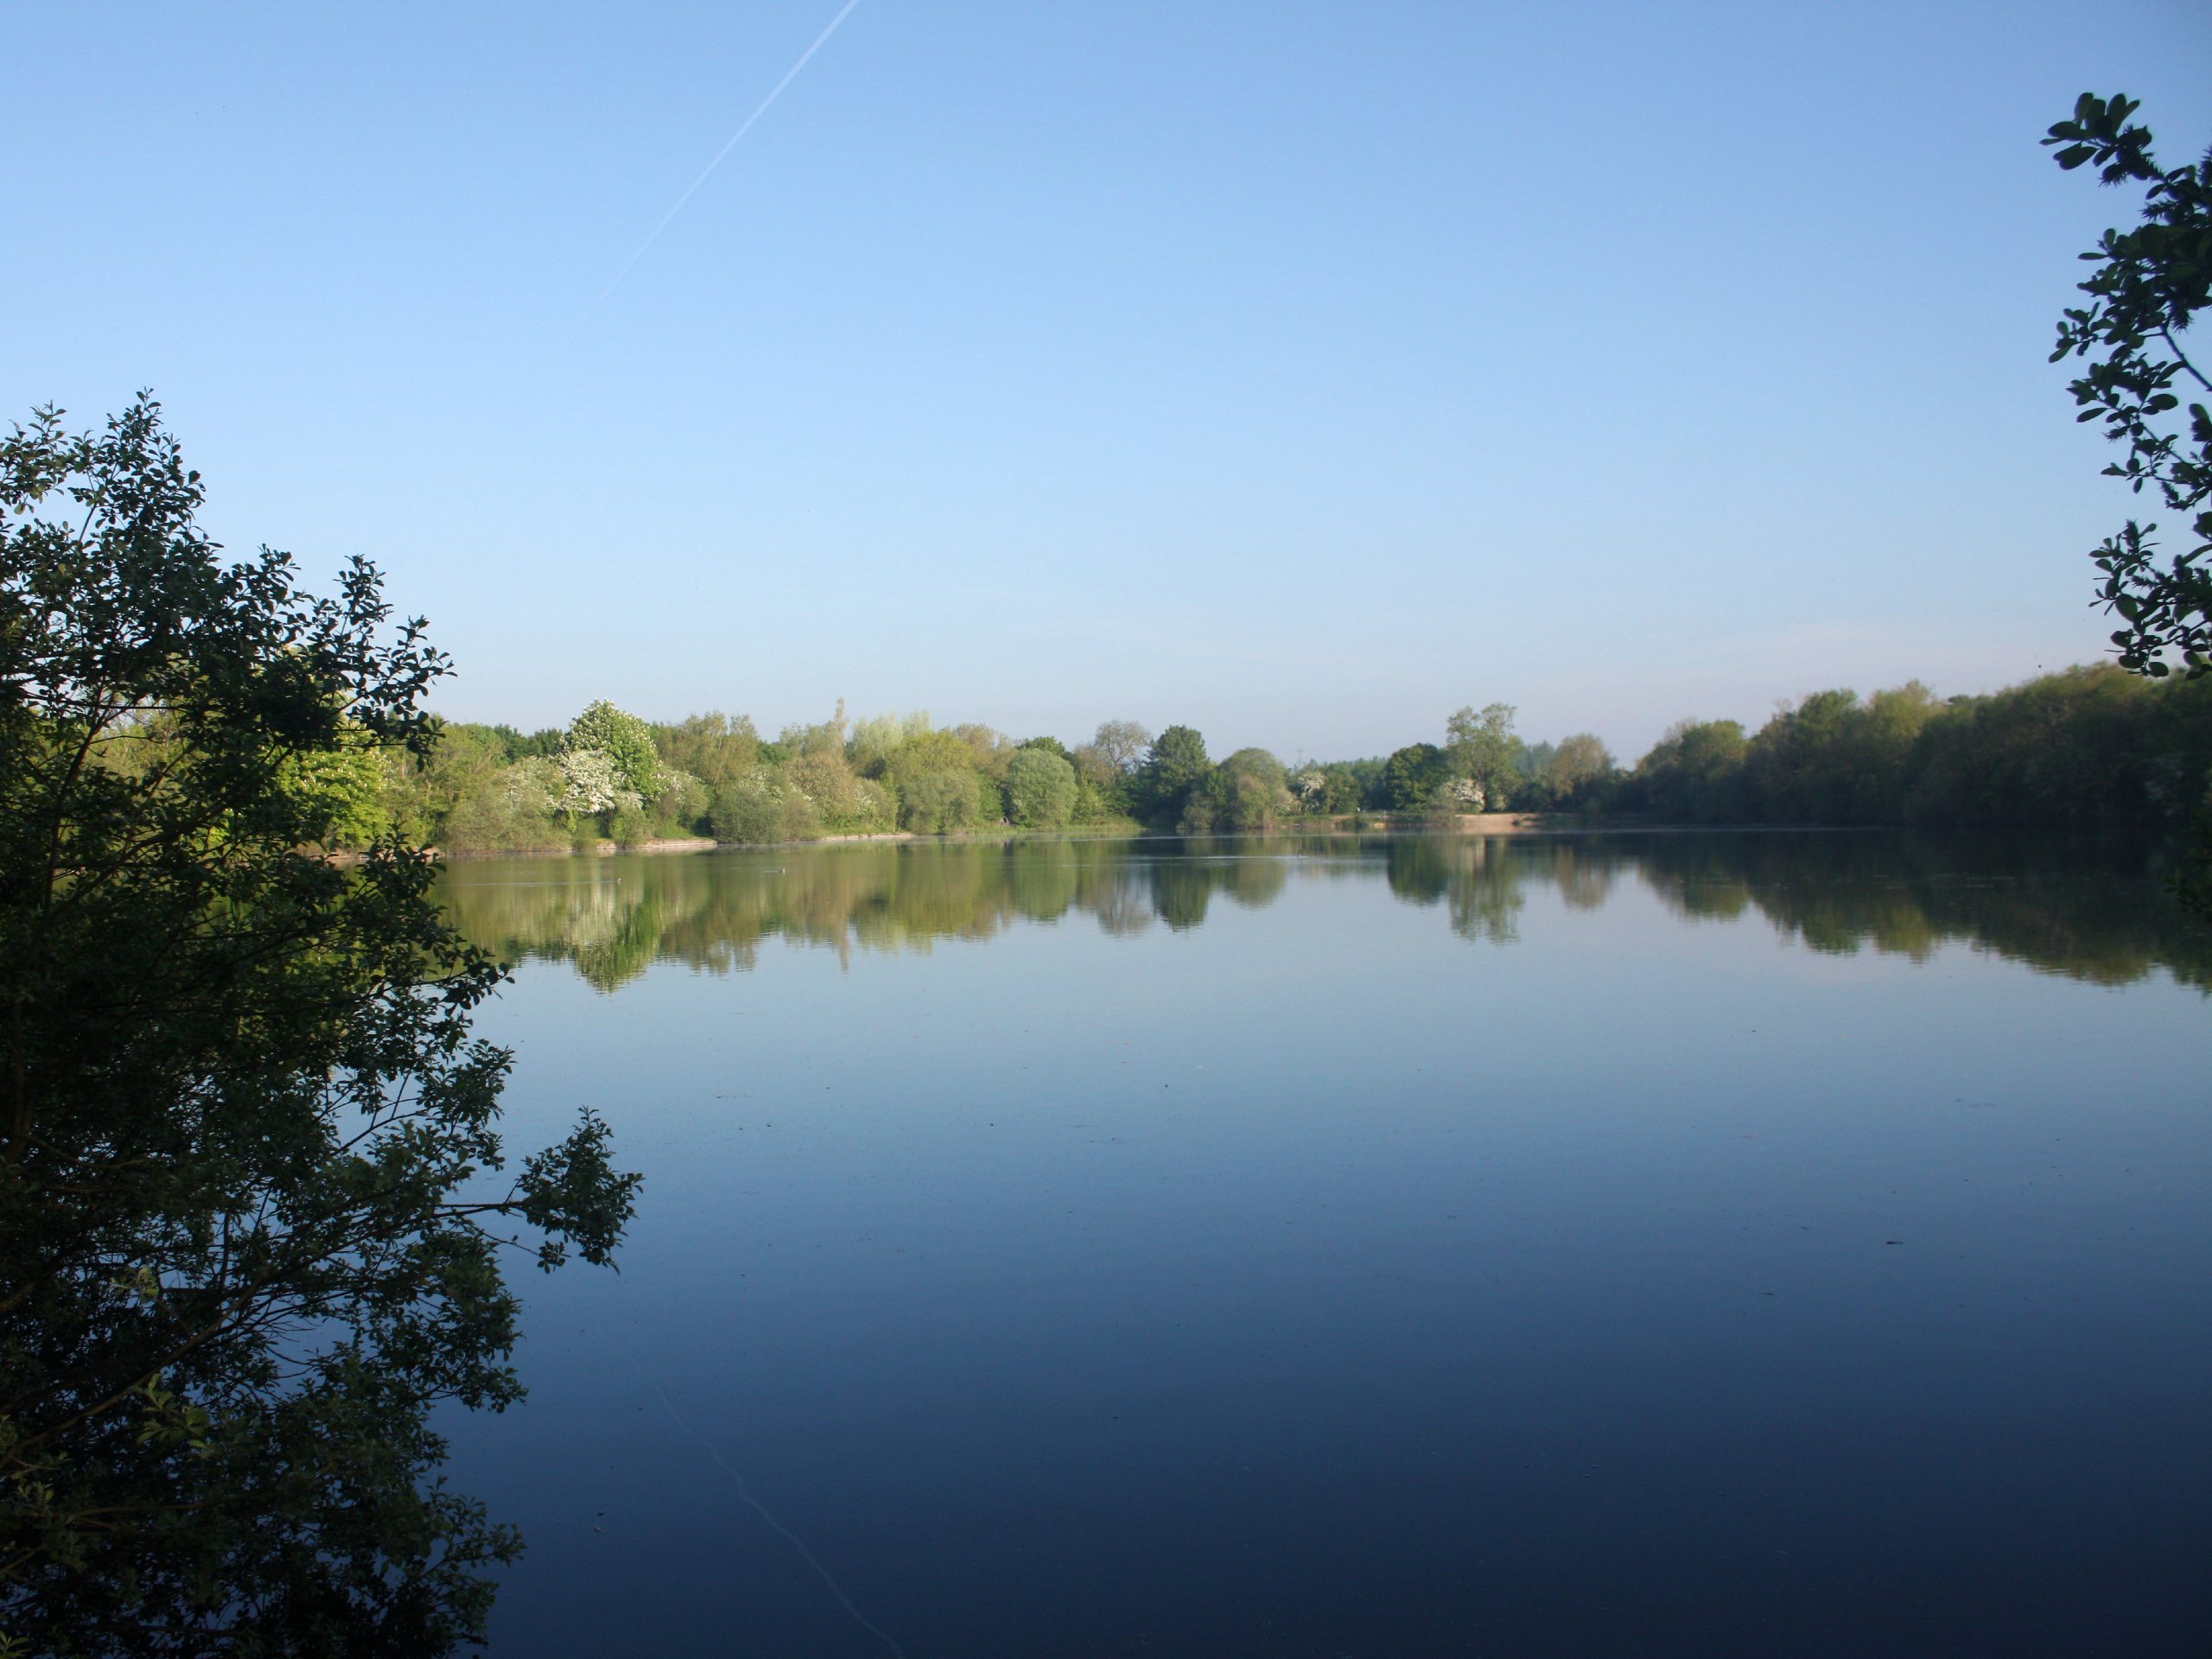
1298 370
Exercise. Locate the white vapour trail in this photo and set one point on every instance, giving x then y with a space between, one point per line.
761 1509
789 75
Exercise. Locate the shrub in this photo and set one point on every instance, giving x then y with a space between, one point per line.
510 810
682 804
759 807
936 801
1041 790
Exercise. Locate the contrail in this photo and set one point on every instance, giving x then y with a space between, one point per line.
789 75
745 1492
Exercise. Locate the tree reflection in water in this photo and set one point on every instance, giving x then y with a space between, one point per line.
2095 914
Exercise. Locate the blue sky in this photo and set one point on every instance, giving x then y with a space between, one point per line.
1301 371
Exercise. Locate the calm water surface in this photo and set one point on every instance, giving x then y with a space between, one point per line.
1755 1244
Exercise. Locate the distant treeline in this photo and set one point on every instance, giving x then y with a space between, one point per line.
2086 747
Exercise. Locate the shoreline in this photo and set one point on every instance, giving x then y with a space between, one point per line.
1467 823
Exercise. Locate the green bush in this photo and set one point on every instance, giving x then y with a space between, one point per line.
682 806
761 807
1041 790
506 811
938 802
1244 793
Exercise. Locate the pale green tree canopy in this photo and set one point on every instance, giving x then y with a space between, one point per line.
1040 789
1122 743
1483 748
1246 792
1578 760
936 801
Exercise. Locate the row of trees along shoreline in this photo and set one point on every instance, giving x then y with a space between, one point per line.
2091 747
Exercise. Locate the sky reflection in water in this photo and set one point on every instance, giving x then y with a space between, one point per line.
1670 1244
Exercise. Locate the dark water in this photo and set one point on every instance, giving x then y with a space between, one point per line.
1755 1244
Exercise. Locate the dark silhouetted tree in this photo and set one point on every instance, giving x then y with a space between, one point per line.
248 1238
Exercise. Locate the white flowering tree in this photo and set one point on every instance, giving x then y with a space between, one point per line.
592 782
626 740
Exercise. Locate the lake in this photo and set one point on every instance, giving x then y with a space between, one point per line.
1703 1244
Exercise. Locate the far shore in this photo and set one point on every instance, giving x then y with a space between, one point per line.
1466 823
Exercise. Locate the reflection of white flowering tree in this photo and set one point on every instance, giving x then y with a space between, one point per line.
592 782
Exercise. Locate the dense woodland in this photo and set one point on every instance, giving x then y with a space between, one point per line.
2088 748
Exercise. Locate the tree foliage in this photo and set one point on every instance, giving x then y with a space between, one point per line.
2083 746
1694 773
759 807
1482 749
1106 771
1579 761
246 1236
1414 776
498 809
592 781
1040 789
938 803
1173 765
2148 286
1122 744
626 741
340 790
1248 792
715 747
844 803
2091 749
